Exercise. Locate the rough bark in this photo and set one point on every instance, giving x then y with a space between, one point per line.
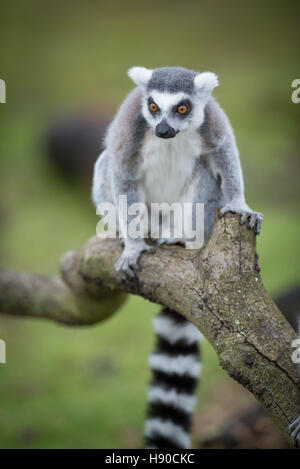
218 288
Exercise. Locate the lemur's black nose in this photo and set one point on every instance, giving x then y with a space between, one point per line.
163 130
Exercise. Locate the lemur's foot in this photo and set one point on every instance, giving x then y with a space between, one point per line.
169 241
295 431
236 206
129 258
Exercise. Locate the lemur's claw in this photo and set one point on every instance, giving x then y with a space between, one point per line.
243 218
253 220
259 223
256 219
125 265
295 431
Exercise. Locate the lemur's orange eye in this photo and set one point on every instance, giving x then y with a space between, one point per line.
182 109
153 107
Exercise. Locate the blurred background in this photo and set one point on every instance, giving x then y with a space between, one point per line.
65 67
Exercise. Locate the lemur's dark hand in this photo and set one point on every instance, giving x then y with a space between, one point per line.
240 207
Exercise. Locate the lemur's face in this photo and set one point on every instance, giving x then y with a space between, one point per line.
170 113
173 99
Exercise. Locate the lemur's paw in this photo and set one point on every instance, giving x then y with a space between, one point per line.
128 261
295 431
169 241
256 218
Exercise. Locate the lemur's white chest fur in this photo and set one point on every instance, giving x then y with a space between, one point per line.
168 166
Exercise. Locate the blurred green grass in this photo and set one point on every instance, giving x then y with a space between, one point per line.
86 387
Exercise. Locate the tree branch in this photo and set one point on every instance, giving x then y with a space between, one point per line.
218 288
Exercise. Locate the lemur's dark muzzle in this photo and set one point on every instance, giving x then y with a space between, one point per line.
163 130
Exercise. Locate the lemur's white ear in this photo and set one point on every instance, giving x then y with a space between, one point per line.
140 75
205 82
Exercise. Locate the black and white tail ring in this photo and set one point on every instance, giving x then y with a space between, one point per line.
176 367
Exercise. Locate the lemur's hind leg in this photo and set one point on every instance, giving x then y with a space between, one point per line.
176 367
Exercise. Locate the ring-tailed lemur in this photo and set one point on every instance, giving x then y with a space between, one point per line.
171 142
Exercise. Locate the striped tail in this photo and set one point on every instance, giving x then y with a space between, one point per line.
176 367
